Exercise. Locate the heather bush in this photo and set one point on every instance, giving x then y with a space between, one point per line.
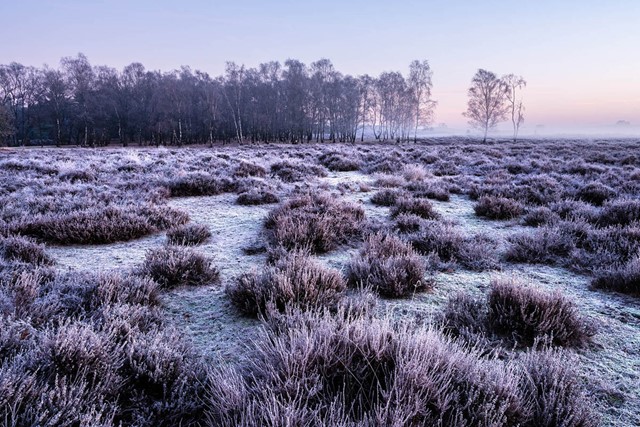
447 242
465 317
573 210
547 245
539 216
416 206
528 314
289 171
555 391
188 235
430 190
623 278
76 175
245 169
257 197
389 181
414 173
389 266
498 208
172 266
387 197
316 369
198 184
22 249
336 161
100 226
317 222
409 223
295 280
620 212
596 193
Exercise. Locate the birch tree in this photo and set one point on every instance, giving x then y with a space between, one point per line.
486 106
420 85
514 85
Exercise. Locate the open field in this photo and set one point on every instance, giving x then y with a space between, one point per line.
439 283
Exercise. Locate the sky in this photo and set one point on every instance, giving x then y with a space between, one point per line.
581 58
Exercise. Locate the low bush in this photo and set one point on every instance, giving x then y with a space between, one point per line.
620 212
318 369
22 249
245 169
409 223
387 197
465 317
389 266
596 193
289 171
257 197
493 207
335 161
430 190
188 235
295 281
528 315
555 391
172 266
540 216
100 226
623 278
198 184
416 206
447 242
547 245
317 222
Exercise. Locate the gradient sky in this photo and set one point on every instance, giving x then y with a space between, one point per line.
581 58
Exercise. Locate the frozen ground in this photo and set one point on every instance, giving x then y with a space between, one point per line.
610 365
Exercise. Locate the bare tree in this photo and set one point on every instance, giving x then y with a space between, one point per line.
515 84
487 101
420 85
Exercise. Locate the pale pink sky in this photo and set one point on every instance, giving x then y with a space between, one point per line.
581 58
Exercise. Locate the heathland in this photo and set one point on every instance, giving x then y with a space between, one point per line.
445 282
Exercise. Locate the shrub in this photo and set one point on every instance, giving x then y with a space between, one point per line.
465 317
295 280
554 391
529 314
540 216
493 207
257 197
339 162
596 193
416 206
172 266
317 222
245 169
386 197
430 190
544 246
100 226
76 175
22 249
451 246
409 223
623 278
188 235
389 266
318 369
198 184
295 172
620 212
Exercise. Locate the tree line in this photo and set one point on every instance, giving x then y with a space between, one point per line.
78 103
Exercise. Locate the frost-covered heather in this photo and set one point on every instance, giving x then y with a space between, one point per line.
138 347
